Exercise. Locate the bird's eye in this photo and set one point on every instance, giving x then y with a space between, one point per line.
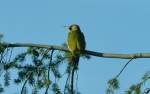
70 28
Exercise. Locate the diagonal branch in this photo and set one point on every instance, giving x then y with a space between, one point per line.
123 68
93 53
22 89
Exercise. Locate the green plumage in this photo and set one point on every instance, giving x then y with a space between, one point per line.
75 42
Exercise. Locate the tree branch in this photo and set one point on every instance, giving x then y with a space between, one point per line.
123 68
146 91
22 89
48 75
93 53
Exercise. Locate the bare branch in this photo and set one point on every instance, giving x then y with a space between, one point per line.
98 54
123 68
34 45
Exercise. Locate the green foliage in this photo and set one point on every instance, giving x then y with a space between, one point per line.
35 91
134 89
2 48
1 88
113 84
146 77
14 63
32 68
7 78
56 89
39 62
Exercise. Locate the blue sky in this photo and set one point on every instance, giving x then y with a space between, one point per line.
112 26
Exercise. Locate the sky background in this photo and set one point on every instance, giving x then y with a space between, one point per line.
111 26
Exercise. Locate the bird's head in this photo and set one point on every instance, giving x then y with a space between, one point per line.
74 27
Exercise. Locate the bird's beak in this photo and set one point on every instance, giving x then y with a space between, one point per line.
67 27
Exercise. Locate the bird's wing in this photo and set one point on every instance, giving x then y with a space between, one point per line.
81 41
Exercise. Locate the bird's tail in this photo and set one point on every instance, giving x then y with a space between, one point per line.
75 61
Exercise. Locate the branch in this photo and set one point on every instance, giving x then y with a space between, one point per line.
46 92
146 91
22 89
93 53
123 68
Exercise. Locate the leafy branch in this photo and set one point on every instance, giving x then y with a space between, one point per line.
41 64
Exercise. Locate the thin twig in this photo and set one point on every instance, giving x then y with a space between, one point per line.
124 68
72 80
4 55
1 57
146 91
3 60
38 67
1 63
45 52
10 55
22 89
77 81
48 76
66 84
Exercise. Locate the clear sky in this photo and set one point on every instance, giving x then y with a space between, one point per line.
113 26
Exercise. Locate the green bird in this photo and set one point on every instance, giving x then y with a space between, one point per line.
75 42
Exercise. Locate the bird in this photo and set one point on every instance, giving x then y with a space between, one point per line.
76 43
